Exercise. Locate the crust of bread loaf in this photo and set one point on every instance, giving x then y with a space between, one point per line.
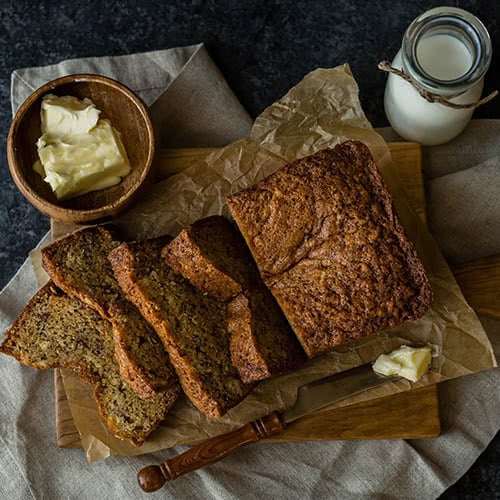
328 242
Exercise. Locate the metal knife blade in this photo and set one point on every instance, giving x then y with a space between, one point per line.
326 391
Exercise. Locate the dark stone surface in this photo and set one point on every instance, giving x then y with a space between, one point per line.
262 47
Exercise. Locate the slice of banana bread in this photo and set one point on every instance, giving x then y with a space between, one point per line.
328 243
142 359
262 342
190 323
78 264
213 256
56 330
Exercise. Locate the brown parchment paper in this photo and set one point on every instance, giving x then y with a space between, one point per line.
321 111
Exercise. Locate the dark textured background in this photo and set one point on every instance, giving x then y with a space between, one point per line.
263 48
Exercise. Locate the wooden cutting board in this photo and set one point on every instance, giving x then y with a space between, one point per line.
411 414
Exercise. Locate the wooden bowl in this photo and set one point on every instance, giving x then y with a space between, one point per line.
127 114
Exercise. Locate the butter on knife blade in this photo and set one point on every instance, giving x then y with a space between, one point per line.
407 362
310 397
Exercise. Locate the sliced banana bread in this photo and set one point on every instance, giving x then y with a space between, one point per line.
190 323
78 264
328 242
213 256
142 359
56 330
262 342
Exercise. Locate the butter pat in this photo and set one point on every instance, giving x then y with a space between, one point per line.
78 152
67 116
407 362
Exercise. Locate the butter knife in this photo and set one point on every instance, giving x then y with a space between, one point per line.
310 397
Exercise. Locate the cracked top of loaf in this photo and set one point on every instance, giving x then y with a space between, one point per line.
327 241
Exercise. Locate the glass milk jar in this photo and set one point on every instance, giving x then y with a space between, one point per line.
446 53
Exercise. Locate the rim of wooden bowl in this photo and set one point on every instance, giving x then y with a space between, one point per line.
70 214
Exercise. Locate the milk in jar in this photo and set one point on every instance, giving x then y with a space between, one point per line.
446 51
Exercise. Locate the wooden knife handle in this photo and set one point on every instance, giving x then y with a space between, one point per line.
153 477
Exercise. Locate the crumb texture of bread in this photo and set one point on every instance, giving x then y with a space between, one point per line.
191 325
213 256
142 359
328 243
56 330
79 265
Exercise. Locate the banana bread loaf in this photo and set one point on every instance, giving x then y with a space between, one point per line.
56 330
213 256
191 325
78 264
329 245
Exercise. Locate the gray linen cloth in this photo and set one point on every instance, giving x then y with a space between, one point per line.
184 87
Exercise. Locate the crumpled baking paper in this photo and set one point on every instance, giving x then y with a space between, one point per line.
319 112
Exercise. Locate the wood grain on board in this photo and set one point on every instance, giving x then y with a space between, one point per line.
410 414
480 284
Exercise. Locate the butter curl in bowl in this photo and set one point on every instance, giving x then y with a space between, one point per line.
80 148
